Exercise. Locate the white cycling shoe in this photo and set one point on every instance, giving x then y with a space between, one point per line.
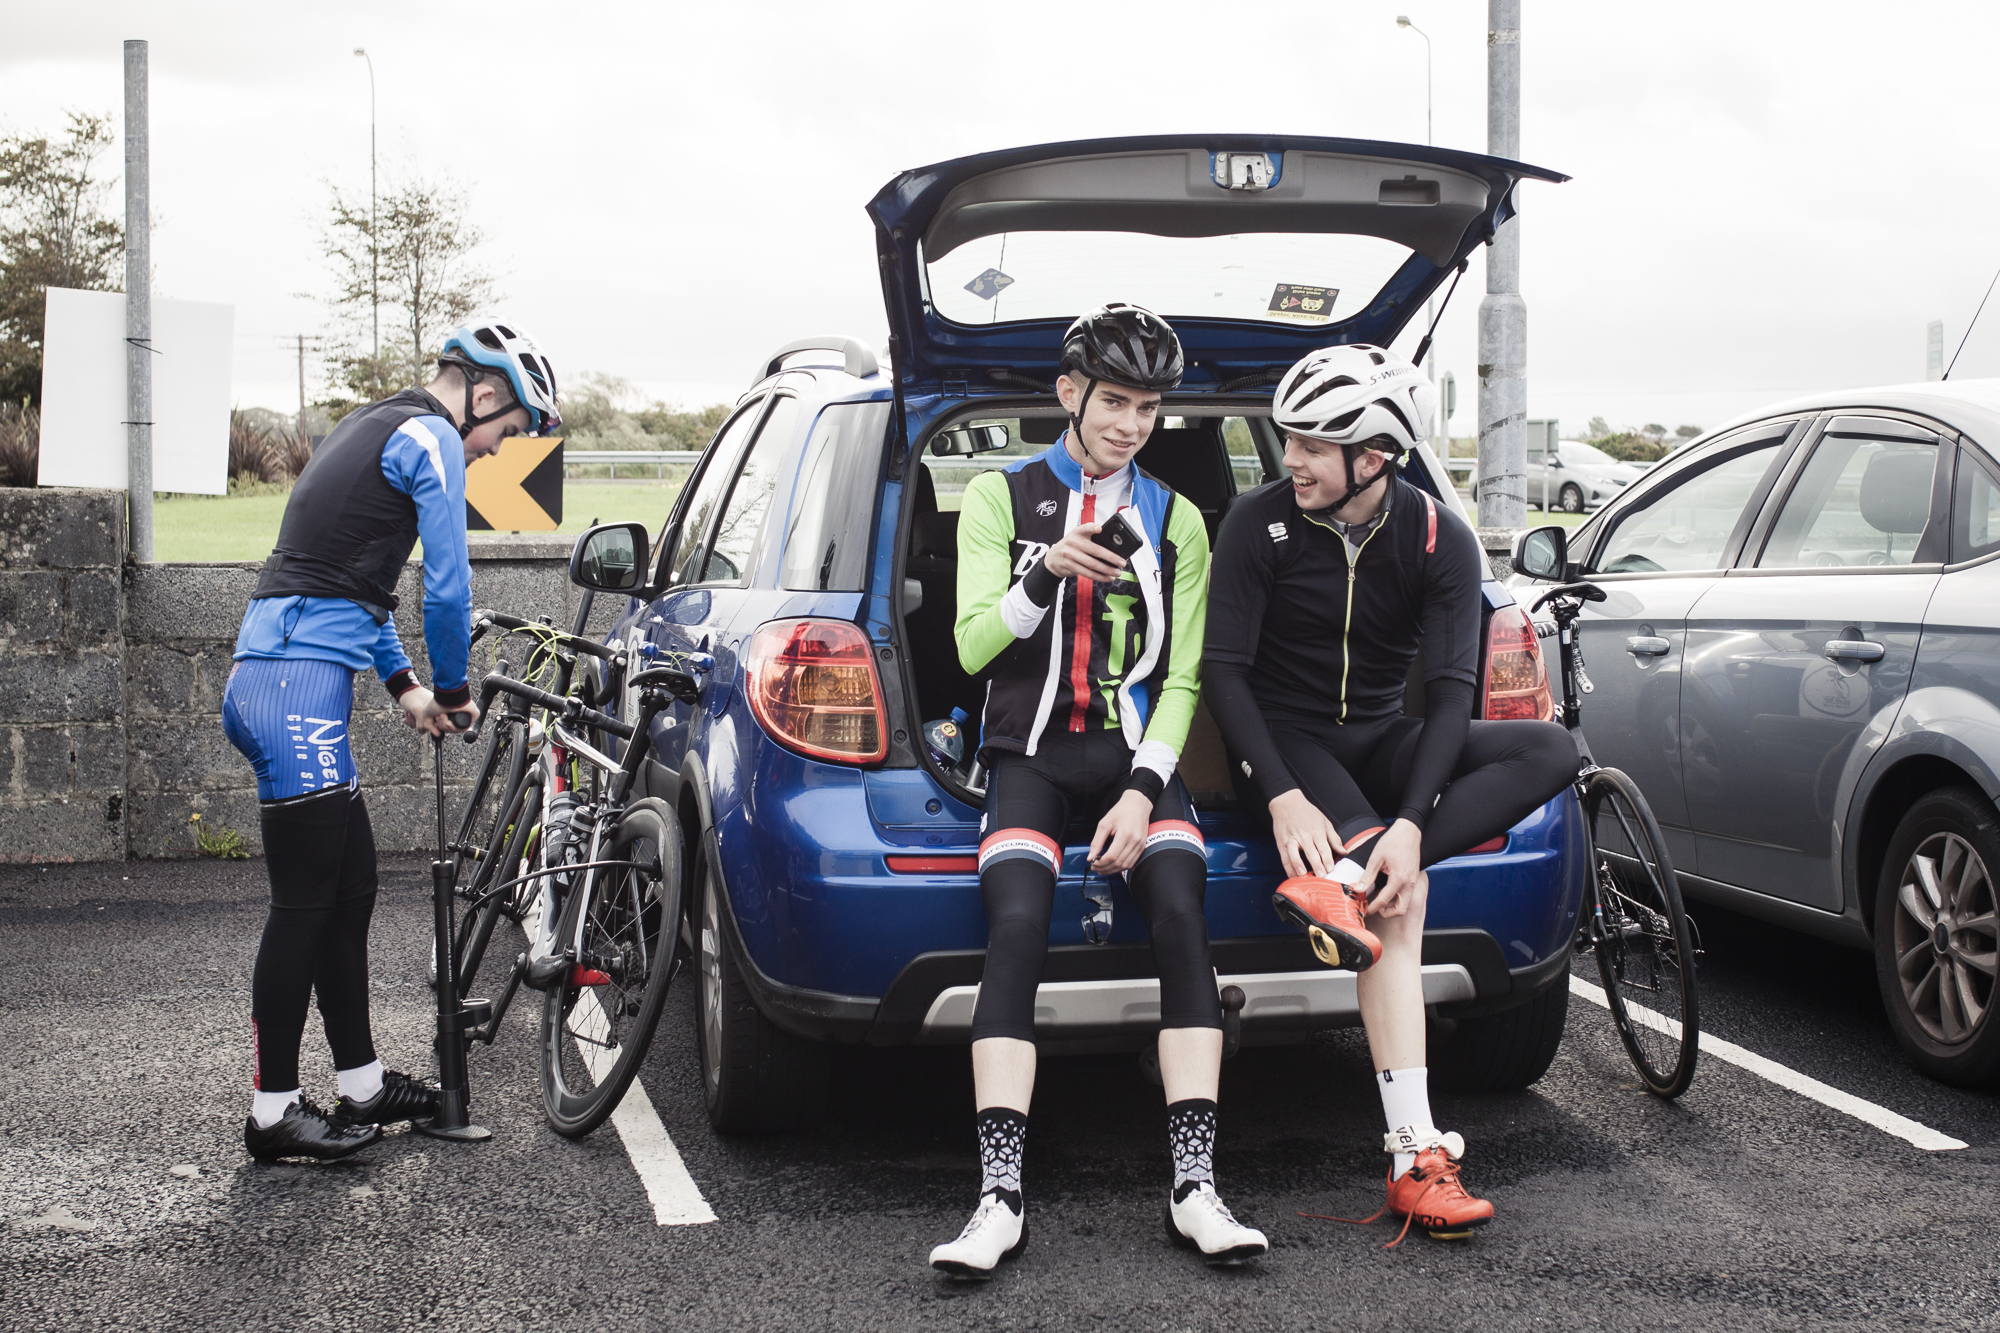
546 964
1203 1222
995 1232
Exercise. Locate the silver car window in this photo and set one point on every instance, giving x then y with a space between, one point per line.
1975 509
750 499
1686 526
708 493
1859 502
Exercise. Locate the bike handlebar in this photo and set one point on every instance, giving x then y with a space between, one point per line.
569 708
577 642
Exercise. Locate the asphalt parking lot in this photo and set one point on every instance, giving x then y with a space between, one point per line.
126 1199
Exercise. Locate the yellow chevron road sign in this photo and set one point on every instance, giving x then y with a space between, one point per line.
519 489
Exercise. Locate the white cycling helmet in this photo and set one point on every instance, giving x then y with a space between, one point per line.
490 348
1356 395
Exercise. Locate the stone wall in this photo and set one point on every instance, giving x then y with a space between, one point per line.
111 687
62 742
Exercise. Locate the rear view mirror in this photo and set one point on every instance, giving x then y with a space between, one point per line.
610 558
1542 554
964 441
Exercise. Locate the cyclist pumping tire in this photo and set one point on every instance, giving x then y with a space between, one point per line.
1091 662
388 474
1325 588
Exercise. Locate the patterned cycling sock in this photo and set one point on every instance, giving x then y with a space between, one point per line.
1406 1104
1191 1132
1003 1134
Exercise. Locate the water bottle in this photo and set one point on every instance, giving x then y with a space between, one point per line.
946 740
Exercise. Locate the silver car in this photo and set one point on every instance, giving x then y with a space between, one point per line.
1573 476
1799 661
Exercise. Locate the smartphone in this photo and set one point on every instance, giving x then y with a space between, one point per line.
1119 536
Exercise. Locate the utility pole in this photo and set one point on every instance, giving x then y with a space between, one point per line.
1430 138
374 250
1503 316
302 388
138 314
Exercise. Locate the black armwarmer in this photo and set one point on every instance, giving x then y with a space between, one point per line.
1226 687
1040 583
401 683
1447 722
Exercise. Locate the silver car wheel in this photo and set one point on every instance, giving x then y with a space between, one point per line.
1947 937
1571 500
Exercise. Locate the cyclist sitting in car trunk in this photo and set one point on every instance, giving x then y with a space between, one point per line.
389 473
1324 589
1091 662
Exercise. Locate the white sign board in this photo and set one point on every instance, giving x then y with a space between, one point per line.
83 393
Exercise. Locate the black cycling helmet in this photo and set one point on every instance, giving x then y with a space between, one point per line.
1124 344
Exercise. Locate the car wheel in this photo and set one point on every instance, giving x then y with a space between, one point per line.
1571 499
1501 1052
1936 937
755 1077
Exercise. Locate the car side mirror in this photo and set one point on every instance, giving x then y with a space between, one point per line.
964 441
610 558
1542 554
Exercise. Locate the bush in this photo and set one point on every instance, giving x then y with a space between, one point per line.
1630 446
264 446
596 415
20 444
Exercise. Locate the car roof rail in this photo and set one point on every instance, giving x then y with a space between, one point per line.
858 357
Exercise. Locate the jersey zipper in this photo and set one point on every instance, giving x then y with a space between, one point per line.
1346 652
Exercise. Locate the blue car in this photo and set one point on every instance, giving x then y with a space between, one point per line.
830 798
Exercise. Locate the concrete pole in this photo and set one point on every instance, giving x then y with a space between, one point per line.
1503 316
138 313
302 388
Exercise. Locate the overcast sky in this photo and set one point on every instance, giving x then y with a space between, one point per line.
1769 198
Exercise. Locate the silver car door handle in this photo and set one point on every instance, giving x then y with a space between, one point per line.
1647 645
1853 650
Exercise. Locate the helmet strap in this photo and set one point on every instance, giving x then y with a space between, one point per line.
469 423
1076 425
1350 452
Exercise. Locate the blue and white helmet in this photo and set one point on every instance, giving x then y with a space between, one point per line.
497 348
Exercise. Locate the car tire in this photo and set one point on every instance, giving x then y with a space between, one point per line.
756 1078
1571 499
1501 1052
1930 992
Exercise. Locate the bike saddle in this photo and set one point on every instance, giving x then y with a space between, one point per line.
1586 592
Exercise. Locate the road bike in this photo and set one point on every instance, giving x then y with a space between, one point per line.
1632 916
553 814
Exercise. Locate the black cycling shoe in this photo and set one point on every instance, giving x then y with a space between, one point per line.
306 1131
402 1098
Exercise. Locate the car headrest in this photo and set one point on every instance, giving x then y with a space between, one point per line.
1896 490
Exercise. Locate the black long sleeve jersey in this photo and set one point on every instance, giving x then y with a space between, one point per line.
1299 633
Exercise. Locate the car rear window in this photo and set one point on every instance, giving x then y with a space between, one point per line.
1975 509
833 506
1288 278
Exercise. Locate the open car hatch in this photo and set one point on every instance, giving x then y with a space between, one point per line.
1257 249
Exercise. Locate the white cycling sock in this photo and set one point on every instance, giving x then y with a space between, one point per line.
1406 1104
362 1083
268 1108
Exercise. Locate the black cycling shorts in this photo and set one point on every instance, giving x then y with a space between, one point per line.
1029 803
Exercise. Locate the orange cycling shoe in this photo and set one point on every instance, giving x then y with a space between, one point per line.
1331 914
1429 1194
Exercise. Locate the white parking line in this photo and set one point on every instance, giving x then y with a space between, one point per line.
1920 1136
677 1200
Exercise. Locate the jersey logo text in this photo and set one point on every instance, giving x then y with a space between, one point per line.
1046 508
1278 532
1030 553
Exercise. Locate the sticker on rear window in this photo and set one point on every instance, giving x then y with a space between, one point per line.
1308 305
989 284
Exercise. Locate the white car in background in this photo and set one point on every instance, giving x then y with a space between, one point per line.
1577 477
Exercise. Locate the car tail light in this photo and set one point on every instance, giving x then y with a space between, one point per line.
812 684
1517 684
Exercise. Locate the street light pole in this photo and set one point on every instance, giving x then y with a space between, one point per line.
1430 138
1503 316
374 253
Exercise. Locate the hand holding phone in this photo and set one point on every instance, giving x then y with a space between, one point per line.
1118 536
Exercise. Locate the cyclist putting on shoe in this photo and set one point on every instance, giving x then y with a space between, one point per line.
1092 663
1324 588
388 474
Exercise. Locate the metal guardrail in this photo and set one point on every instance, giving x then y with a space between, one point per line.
657 459
1250 468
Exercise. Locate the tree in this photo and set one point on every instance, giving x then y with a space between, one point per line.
54 232
429 284
1686 432
1598 427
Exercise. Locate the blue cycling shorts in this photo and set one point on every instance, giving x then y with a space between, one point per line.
290 720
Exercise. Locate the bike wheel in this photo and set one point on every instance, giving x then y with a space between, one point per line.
522 825
1639 930
598 1021
482 829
